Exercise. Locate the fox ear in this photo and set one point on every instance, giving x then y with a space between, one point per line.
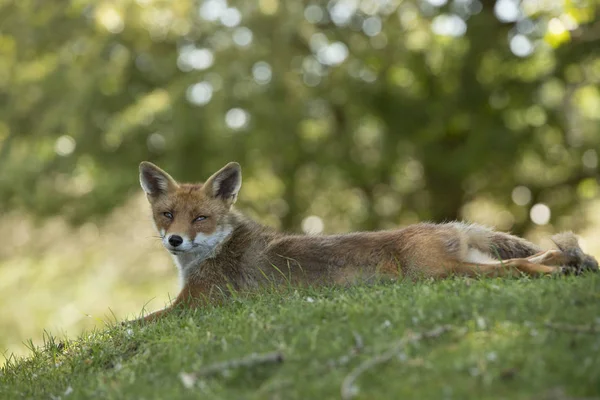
154 180
225 183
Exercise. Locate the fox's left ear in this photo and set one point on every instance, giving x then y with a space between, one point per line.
225 184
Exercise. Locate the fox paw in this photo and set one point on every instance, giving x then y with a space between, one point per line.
577 270
589 263
578 262
568 270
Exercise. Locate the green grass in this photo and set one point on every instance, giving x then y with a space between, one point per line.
499 346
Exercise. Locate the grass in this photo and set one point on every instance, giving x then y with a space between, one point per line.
498 345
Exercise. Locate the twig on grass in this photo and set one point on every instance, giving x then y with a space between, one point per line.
348 390
559 394
573 328
189 379
245 362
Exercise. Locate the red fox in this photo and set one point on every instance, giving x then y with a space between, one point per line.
217 249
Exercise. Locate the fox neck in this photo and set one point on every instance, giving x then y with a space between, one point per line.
192 262
210 249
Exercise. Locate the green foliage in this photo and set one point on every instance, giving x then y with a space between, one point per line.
510 339
369 112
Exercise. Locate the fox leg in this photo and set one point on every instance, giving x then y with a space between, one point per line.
549 257
507 268
164 312
156 315
546 263
149 318
531 268
575 261
189 297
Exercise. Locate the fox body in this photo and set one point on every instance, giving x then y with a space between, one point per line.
217 249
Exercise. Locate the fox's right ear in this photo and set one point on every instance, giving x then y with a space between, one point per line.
155 181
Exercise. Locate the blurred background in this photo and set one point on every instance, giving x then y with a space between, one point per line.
345 115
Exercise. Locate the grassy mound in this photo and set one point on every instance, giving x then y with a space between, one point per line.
517 339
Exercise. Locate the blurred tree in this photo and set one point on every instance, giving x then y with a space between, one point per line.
366 113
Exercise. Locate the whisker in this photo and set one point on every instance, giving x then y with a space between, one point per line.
154 237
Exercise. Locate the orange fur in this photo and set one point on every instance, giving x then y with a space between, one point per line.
218 249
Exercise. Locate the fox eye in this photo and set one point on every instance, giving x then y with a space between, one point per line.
168 215
200 218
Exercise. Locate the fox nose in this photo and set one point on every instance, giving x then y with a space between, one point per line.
175 240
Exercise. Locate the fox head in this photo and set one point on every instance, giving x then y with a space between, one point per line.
192 219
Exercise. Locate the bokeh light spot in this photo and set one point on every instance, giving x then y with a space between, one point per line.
268 7
540 214
261 71
437 3
236 118
313 14
156 142
448 25
192 58
242 36
521 46
556 27
521 195
64 145
312 225
200 93
333 54
212 10
342 11
372 26
507 10
590 159
110 18
231 17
